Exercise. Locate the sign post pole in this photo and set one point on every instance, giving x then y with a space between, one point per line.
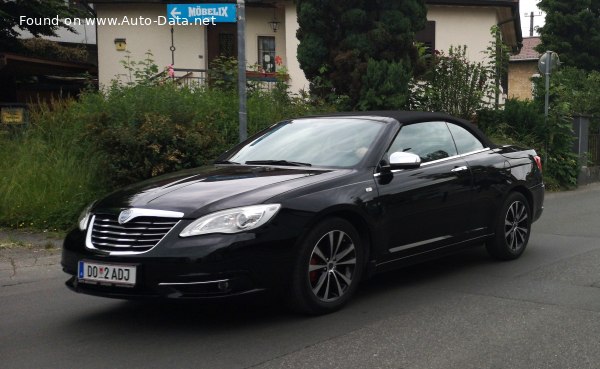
209 14
547 63
241 42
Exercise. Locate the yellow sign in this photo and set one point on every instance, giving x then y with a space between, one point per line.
12 116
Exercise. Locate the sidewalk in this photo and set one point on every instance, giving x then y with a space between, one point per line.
26 256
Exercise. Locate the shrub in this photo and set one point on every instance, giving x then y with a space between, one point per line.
155 146
453 85
48 173
143 72
76 151
520 120
223 73
522 123
576 87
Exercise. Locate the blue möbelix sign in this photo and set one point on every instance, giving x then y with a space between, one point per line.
201 14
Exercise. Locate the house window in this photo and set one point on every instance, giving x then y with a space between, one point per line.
426 36
266 53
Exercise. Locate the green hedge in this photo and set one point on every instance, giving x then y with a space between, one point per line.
76 151
522 123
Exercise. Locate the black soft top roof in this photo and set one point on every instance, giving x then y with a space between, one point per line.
408 117
401 116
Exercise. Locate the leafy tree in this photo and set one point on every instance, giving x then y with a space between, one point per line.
11 12
358 52
453 84
498 54
572 29
576 87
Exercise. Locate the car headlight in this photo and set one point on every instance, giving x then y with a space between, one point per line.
85 217
232 220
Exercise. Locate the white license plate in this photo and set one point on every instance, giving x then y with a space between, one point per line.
92 272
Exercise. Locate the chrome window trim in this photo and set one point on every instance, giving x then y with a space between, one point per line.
475 152
139 212
454 157
440 160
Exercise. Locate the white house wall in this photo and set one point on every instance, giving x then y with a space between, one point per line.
455 26
189 41
257 25
298 80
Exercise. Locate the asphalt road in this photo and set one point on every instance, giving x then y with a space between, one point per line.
464 311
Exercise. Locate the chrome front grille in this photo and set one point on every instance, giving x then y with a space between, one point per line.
137 235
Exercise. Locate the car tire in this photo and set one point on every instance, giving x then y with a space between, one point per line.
327 269
512 228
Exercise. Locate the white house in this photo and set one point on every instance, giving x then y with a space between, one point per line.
468 22
139 26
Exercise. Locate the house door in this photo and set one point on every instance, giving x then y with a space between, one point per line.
222 41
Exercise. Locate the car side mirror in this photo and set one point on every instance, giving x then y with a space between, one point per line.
404 160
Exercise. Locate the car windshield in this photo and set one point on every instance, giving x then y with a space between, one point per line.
328 142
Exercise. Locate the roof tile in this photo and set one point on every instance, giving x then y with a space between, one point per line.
528 52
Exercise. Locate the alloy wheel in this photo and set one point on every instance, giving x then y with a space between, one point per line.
516 226
332 266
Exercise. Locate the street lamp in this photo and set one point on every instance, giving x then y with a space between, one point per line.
274 24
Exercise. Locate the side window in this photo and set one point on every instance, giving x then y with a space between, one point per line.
430 140
465 141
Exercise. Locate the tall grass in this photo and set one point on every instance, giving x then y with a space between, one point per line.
76 151
48 172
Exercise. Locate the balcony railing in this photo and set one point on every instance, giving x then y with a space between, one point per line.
195 78
190 78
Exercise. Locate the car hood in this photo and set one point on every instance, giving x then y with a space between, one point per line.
203 190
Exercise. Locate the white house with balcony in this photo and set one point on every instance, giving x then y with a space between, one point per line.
271 31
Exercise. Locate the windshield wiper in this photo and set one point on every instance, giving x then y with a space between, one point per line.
279 162
225 162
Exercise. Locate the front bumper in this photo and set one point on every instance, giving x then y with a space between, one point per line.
202 267
207 290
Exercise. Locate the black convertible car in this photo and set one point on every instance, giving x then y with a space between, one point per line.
308 208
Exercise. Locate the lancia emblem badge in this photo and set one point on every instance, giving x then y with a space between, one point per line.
124 216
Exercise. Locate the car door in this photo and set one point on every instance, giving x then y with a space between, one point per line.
490 175
424 208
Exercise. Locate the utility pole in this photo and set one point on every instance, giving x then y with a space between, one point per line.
531 16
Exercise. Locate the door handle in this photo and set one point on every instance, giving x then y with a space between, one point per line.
459 169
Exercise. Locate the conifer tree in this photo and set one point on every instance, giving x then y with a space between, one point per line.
572 29
360 52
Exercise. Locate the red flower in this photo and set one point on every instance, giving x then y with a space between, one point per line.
278 60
